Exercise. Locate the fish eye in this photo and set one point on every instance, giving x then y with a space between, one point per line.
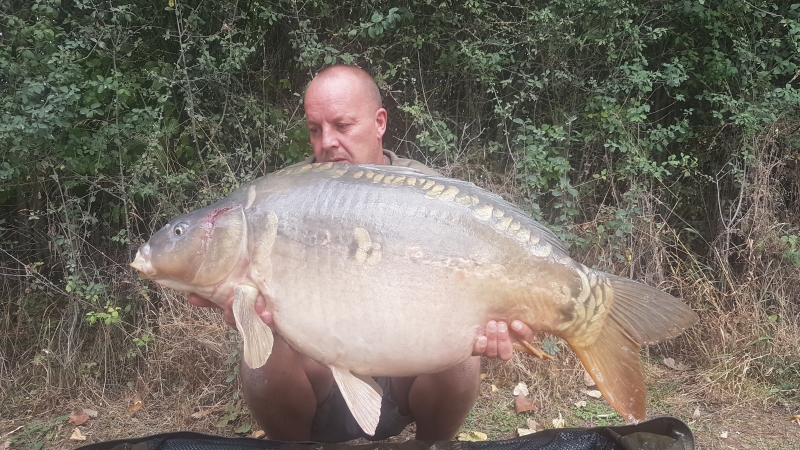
179 229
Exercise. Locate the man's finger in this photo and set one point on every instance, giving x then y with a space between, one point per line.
521 331
230 319
261 310
504 345
201 302
491 339
480 346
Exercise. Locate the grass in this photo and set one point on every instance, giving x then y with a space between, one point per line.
596 414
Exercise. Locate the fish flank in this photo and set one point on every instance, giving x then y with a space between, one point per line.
251 197
449 194
483 213
435 191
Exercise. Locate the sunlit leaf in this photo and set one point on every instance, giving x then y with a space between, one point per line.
472 436
77 435
137 403
593 393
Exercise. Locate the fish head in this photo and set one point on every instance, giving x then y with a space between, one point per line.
196 252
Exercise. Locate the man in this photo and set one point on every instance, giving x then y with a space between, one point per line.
294 398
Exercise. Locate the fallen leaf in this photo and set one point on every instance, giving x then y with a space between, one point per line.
558 423
77 436
534 425
521 389
524 431
483 376
593 393
587 379
669 362
78 418
258 434
5 445
523 404
90 412
580 404
696 413
724 435
472 436
137 403
494 388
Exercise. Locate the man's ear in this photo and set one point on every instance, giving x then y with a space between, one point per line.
380 121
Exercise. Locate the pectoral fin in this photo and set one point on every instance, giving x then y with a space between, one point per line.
363 397
257 336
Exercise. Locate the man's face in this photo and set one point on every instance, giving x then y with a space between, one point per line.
344 125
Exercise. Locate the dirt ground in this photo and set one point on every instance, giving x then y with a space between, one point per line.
729 424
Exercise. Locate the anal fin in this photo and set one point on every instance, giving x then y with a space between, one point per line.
363 397
256 335
614 364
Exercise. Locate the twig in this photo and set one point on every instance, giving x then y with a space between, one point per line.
12 432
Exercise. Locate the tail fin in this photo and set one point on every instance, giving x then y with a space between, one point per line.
639 315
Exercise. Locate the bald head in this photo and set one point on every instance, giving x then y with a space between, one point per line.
360 82
344 116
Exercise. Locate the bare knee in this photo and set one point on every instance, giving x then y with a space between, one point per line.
284 393
440 402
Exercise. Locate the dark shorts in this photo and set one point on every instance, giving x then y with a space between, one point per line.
333 421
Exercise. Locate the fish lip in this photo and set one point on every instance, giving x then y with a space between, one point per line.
142 262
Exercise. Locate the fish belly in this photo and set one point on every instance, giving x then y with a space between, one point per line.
383 288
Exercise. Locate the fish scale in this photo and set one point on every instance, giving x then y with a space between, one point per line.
362 265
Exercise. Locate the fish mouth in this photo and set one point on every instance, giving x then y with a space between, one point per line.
142 262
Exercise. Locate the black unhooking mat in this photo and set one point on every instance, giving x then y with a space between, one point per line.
663 433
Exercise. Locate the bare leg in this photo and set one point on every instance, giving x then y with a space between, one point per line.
284 393
439 402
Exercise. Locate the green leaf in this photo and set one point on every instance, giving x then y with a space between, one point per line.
550 345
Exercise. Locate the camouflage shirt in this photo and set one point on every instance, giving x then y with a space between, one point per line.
391 159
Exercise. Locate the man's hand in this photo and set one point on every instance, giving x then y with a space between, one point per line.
227 311
496 342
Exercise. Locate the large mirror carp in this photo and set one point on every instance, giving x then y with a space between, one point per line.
364 265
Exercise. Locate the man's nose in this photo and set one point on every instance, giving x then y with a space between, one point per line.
329 139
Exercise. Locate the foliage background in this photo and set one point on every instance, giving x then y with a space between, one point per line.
660 139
